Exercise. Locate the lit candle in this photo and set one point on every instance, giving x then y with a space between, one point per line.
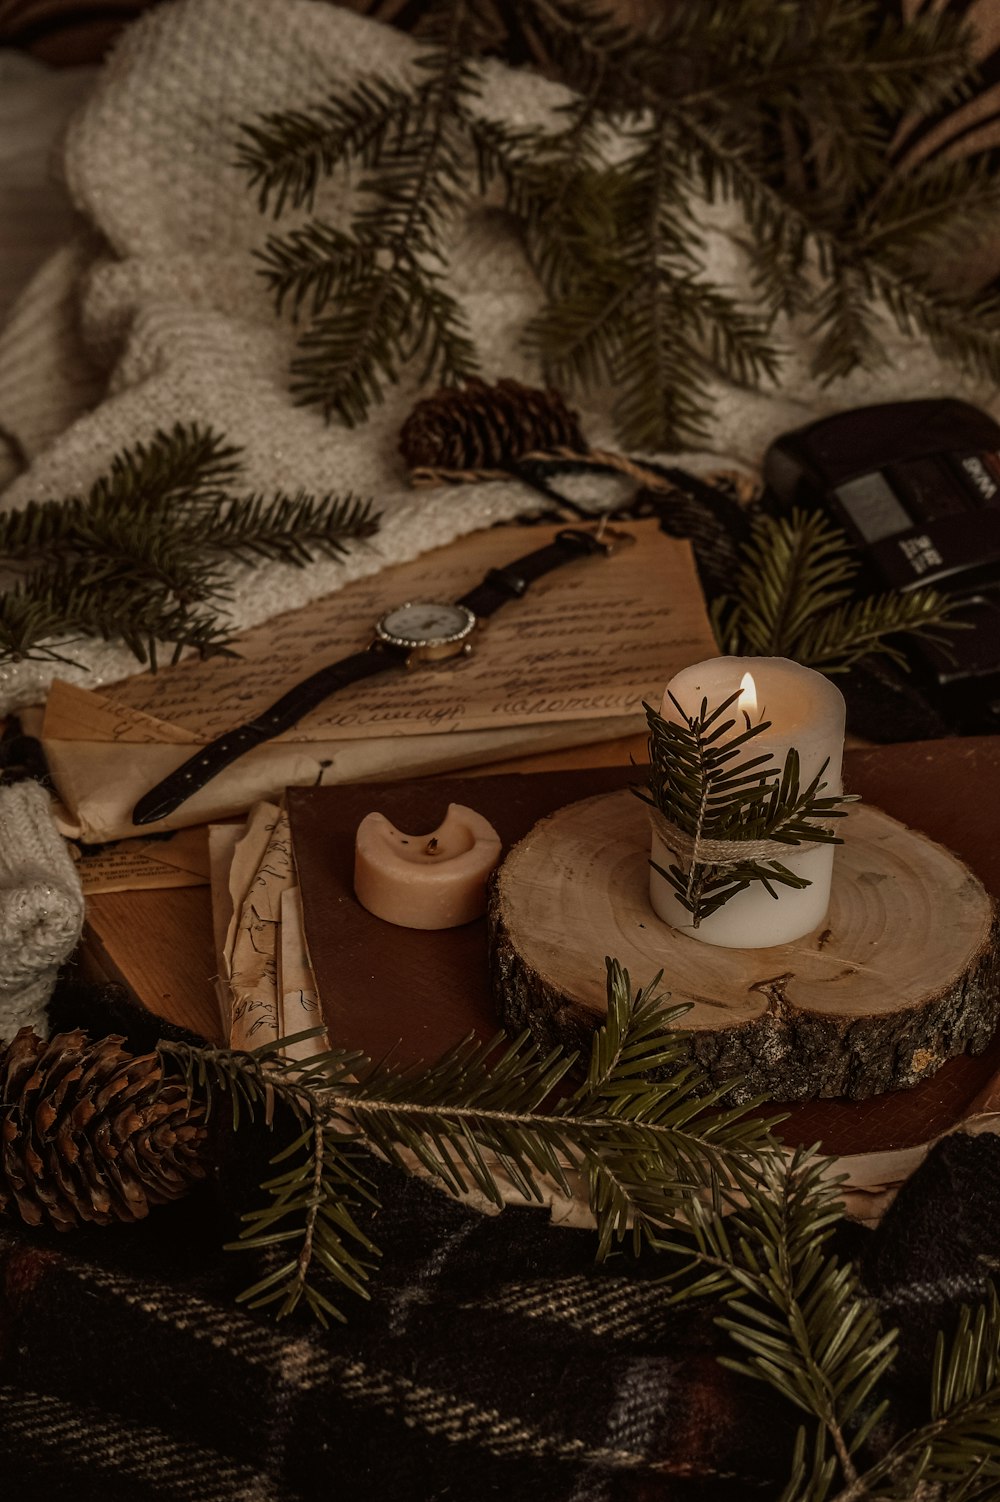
428 880
806 712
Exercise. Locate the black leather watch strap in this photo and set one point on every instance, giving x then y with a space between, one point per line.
499 587
285 712
502 585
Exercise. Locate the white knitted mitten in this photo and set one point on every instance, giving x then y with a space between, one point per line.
41 906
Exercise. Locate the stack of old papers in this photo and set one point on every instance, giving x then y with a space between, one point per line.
570 663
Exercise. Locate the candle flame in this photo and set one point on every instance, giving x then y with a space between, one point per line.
747 702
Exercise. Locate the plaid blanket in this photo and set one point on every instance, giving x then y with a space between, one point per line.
494 1359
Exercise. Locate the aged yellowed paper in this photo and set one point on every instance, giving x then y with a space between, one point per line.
132 865
587 642
570 663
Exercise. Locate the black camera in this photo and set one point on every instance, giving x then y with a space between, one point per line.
916 487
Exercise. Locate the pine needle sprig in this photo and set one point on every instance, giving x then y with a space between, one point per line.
290 528
374 300
309 267
805 1326
705 787
793 597
628 305
287 154
642 1130
799 1317
142 558
50 610
189 465
793 113
741 1220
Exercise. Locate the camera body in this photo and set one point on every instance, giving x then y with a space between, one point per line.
916 487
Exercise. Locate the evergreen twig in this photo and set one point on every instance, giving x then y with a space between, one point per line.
704 785
484 1113
791 111
805 1326
141 557
793 598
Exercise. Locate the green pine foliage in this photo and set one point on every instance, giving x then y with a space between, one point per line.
141 556
731 1215
703 783
793 597
642 1129
802 1323
786 108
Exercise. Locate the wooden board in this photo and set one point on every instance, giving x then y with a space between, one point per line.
903 974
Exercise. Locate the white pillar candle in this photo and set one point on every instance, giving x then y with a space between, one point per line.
433 880
806 712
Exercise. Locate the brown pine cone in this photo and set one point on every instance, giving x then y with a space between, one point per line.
479 427
89 1132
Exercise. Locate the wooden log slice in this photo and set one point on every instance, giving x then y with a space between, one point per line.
904 973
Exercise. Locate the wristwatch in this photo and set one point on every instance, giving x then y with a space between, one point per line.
417 633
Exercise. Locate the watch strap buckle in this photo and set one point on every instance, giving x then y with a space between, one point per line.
599 539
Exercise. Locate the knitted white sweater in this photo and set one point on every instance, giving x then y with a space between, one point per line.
41 906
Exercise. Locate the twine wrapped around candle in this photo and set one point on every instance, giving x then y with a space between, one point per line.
700 851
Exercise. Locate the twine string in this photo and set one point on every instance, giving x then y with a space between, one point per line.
606 459
700 851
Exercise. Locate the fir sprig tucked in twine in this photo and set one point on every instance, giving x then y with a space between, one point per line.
729 818
140 557
788 111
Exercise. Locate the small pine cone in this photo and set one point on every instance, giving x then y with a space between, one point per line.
478 427
89 1132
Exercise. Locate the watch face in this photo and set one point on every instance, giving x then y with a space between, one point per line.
425 623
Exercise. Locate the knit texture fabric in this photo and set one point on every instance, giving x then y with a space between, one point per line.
165 303
41 906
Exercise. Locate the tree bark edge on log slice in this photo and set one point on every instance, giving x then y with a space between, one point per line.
785 1022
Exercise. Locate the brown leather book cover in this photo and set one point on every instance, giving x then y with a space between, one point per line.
411 994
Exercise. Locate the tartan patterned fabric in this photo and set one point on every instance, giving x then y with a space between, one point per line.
494 1359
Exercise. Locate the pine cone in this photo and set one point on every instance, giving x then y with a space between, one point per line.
480 427
89 1132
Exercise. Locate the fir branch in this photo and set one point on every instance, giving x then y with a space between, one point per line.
322 1204
793 598
313 266
290 528
800 1319
790 111
52 609
639 316
142 557
286 154
188 467
704 786
806 1327
376 304
958 1449
642 1129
